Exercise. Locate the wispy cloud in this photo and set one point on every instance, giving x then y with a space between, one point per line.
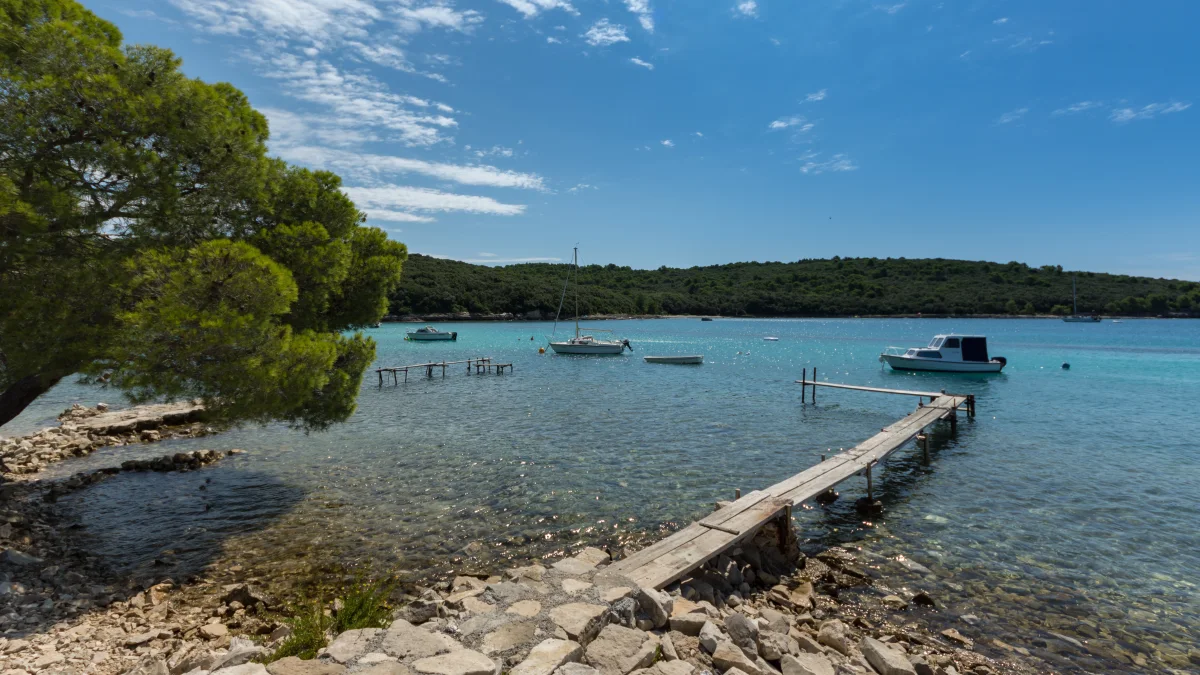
813 165
553 40
1146 112
1002 20
487 255
668 143
581 187
645 16
370 167
645 64
817 96
404 198
891 9
746 8
802 125
390 216
413 19
147 14
322 22
531 8
1075 108
698 134
603 33
1012 116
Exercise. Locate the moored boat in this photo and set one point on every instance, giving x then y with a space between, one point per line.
690 359
1076 317
430 334
946 354
584 344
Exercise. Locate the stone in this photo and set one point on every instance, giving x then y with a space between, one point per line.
921 666
464 583
352 644
525 608
884 659
668 648
243 593
624 613
508 592
834 634
576 669
240 651
958 637
477 606
743 632
923 599
670 668
574 566
728 656
531 572
806 643
149 665
806 664
772 646
14 557
776 620
49 659
580 620
406 641
615 593
656 604
294 665
456 599
461 662
592 556
689 624
244 669
384 668
618 650
572 585
374 657
508 636
710 637
895 602
213 631
548 656
140 639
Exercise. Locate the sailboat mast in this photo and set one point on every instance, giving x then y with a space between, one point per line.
576 292
1074 297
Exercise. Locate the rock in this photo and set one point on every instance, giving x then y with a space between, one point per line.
140 639
728 656
14 557
406 641
384 668
580 620
743 632
508 592
958 637
710 637
668 648
461 662
477 606
624 612
213 631
463 583
592 556
807 644
149 665
374 657
572 585
656 604
923 599
531 572
456 599
895 602
772 646
689 624
240 651
618 650
776 620
576 669
245 594
574 566
672 668
834 634
293 665
615 593
525 608
806 664
885 660
508 636
50 658
352 644
921 666
245 669
548 656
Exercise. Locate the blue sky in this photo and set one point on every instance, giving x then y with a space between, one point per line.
664 132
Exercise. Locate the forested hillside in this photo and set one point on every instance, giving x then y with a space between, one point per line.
836 287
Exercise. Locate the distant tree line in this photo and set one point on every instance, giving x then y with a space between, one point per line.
834 287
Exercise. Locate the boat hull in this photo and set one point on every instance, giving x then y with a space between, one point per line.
1081 319
594 348
432 337
677 360
938 366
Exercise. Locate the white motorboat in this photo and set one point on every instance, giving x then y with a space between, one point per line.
430 334
947 354
771 339
691 359
584 344
1076 317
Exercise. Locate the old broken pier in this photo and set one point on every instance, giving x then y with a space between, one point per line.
482 364
670 559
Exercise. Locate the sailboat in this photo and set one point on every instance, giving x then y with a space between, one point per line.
1076 317
584 344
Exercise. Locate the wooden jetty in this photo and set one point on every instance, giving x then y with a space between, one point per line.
481 363
670 559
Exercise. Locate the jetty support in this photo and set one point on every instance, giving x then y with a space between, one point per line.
429 368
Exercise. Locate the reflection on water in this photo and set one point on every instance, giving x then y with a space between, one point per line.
1067 506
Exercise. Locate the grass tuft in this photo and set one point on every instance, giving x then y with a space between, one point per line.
364 605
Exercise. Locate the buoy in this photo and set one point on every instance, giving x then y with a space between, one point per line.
1066 366
541 350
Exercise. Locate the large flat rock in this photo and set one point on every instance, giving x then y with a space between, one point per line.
618 650
580 620
406 641
352 644
461 662
508 636
294 665
884 659
547 657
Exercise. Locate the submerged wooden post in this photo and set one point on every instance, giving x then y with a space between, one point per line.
870 486
923 441
814 386
954 421
803 384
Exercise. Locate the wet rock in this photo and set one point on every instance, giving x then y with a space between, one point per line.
508 636
923 599
958 637
14 557
406 641
580 620
461 662
885 659
293 665
895 602
618 650
656 604
352 644
806 664
743 632
547 657
710 637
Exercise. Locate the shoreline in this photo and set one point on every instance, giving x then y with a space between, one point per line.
513 318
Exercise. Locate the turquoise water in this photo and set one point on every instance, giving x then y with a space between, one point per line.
1069 505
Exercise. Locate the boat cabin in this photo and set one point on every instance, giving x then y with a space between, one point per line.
953 348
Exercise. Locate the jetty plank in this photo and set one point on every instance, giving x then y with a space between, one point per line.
877 390
670 559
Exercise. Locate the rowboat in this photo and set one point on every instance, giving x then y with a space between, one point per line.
677 360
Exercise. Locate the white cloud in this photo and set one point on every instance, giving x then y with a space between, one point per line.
1012 116
746 8
370 167
801 123
400 198
817 96
413 19
776 42
838 162
394 216
1122 115
487 255
1002 20
494 151
309 19
641 8
645 64
891 9
668 143
602 34
964 54
1077 108
700 135
553 41
581 186
531 8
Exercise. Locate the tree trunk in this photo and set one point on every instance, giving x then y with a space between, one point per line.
23 392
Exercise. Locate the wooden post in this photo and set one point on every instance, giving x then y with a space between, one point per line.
737 493
814 387
954 421
923 441
970 405
803 384
870 486
405 374
785 529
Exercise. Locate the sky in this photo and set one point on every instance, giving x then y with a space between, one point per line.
698 132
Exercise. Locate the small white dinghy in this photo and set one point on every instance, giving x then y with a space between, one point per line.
693 359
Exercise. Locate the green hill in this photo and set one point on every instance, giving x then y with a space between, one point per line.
836 287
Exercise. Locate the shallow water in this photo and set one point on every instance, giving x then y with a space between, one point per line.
1068 505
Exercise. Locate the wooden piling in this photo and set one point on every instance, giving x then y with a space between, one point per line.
923 441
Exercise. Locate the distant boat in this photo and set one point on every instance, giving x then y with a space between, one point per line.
948 354
1075 316
706 318
584 344
1117 321
678 360
430 334
771 339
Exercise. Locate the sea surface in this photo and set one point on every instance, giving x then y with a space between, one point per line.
1064 518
